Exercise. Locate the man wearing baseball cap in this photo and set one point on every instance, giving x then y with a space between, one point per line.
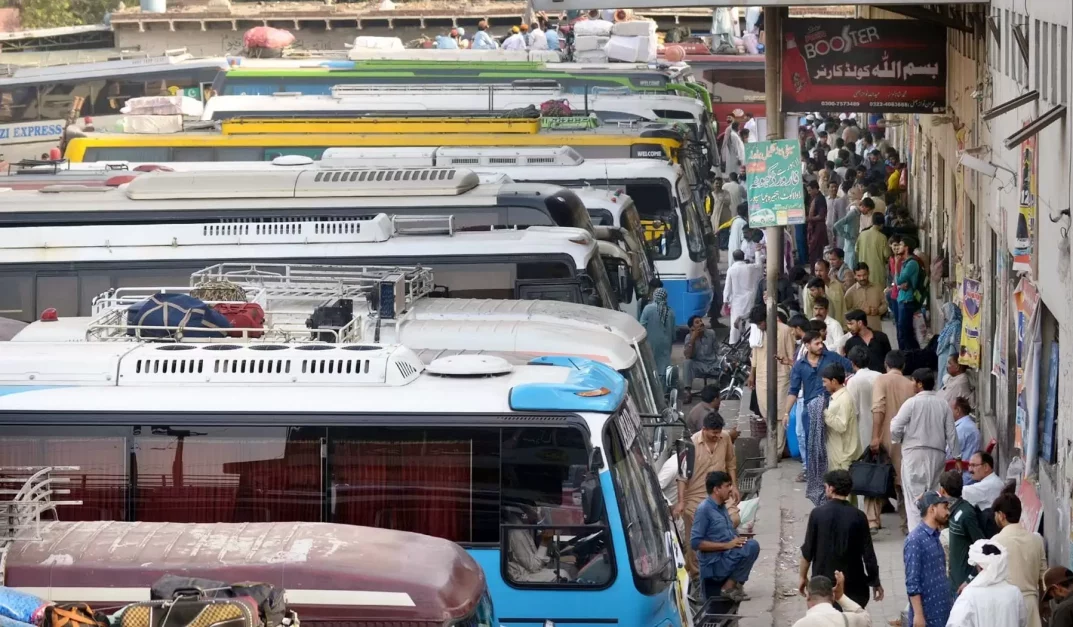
1057 586
926 583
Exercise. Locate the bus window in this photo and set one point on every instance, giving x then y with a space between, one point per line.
17 296
57 99
442 482
137 154
545 482
644 513
658 217
227 474
193 153
250 87
251 153
18 104
601 217
694 219
99 452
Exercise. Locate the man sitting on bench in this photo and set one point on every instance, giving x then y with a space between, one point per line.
726 559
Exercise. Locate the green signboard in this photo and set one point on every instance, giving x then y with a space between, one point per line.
776 195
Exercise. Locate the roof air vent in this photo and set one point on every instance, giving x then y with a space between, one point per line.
469 366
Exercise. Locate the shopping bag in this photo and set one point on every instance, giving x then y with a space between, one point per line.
873 474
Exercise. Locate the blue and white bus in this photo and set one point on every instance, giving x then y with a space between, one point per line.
539 470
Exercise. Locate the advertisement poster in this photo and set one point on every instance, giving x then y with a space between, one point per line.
869 66
1026 324
1025 235
1031 506
972 319
776 195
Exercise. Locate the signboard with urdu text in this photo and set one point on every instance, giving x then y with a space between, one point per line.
880 66
776 194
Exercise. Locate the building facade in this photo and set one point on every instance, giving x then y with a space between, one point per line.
990 188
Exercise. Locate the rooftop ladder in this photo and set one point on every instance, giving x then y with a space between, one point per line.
26 492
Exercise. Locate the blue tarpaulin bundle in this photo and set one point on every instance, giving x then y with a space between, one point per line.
176 312
17 609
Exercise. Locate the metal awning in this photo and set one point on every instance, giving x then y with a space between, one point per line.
1035 127
1010 105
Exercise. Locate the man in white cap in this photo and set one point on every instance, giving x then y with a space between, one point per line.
989 600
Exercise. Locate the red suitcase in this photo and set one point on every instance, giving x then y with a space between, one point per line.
243 316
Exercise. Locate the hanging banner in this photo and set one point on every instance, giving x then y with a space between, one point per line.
1050 409
776 195
1026 324
1023 245
864 66
972 319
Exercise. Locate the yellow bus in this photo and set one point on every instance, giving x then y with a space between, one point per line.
267 139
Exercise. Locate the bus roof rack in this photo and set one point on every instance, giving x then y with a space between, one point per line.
291 295
550 87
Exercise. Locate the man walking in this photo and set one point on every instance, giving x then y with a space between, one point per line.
739 290
925 428
726 559
736 191
737 228
926 582
836 210
816 220
759 379
875 343
892 389
713 452
964 526
805 376
722 209
837 540
867 296
1028 561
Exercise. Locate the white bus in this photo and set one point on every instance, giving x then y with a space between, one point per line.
658 203
470 448
69 246
37 103
609 104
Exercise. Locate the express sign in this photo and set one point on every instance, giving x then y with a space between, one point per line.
29 132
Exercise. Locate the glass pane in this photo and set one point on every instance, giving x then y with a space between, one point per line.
143 154
60 292
91 286
440 482
545 480
100 453
240 154
221 474
644 513
17 297
658 219
18 104
193 154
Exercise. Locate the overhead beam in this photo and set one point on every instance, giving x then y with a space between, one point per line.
925 15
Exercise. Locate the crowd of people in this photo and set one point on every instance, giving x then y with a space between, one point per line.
852 394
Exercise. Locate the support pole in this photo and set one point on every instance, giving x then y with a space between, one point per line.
773 22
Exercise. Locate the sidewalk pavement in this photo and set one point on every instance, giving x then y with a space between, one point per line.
780 530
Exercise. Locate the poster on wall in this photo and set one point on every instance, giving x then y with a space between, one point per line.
972 318
1025 233
870 66
1026 324
776 196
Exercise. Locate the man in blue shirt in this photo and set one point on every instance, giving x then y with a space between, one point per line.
805 376
968 435
726 559
926 583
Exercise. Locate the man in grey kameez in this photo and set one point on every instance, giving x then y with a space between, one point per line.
701 355
925 427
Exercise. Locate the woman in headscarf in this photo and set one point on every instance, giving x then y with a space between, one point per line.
989 600
658 320
949 339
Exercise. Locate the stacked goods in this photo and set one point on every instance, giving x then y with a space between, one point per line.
633 42
266 42
590 40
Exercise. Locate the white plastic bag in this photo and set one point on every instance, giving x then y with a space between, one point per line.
747 511
601 28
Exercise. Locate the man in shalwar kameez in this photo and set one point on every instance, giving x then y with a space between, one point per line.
739 291
925 427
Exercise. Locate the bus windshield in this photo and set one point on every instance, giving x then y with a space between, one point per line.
693 222
644 513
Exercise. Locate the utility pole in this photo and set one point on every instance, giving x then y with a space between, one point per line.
773 24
